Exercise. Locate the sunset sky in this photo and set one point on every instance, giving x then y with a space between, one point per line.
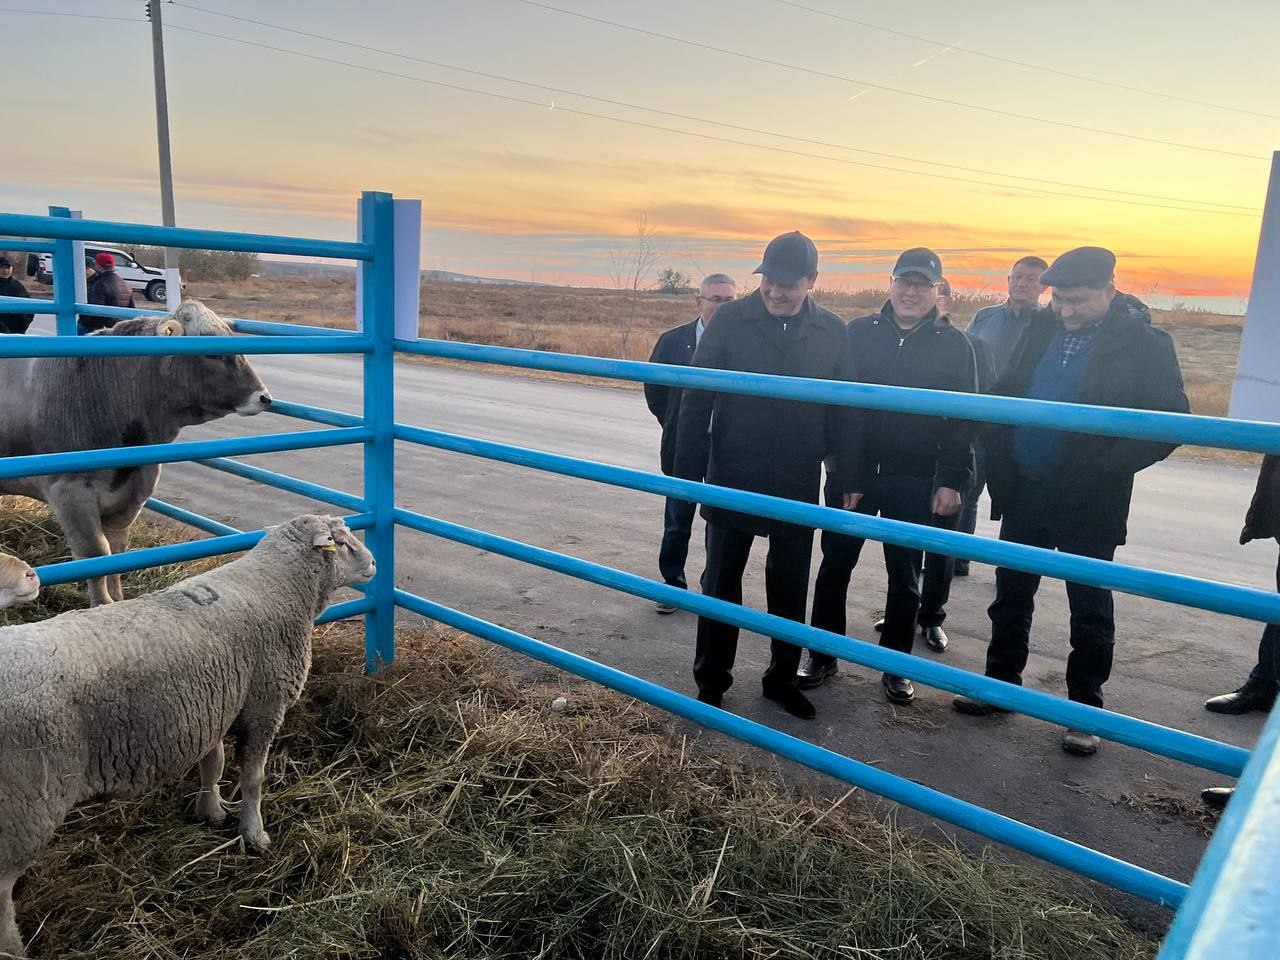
269 141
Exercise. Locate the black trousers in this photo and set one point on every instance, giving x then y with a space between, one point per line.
1093 621
786 584
677 523
939 570
1265 677
897 498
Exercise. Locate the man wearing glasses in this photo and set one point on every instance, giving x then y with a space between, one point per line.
676 346
999 328
912 467
768 446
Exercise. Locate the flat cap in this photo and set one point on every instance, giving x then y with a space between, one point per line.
1081 267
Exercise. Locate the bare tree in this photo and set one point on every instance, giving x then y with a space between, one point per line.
629 268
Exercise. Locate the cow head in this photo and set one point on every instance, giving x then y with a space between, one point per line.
18 582
203 387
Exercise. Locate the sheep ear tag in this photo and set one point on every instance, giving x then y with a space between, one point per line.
324 541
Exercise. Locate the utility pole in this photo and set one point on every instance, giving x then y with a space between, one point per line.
172 281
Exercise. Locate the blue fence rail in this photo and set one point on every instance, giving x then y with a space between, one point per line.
1238 873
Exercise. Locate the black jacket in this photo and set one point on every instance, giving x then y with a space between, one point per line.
109 289
14 322
1132 364
676 347
1263 520
934 356
758 443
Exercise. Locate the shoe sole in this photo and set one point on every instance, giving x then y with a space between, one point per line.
1079 751
812 683
977 710
667 611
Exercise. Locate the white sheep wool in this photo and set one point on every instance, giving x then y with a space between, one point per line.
113 700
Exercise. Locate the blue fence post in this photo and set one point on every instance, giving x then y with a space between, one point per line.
378 311
64 280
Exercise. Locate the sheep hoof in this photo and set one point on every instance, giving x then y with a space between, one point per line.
214 812
259 842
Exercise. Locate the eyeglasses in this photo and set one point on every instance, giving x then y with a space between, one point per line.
902 283
716 299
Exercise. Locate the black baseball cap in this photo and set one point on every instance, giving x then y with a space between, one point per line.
919 260
789 258
1082 267
4 262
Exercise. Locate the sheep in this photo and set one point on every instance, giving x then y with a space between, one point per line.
112 700
18 582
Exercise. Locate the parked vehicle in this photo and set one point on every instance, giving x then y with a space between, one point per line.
148 281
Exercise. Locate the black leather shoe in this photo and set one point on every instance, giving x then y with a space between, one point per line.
878 626
816 672
711 698
792 701
975 708
898 689
935 638
1244 700
1217 797
961 569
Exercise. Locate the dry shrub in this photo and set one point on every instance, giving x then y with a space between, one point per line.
446 809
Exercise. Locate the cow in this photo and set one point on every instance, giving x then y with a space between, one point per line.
56 404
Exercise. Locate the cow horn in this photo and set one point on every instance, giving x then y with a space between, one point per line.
169 327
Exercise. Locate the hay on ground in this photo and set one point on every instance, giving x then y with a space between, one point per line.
445 809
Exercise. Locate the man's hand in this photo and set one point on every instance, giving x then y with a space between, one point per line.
851 501
946 501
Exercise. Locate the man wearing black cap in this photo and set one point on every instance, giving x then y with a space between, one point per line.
1071 491
765 446
11 287
913 467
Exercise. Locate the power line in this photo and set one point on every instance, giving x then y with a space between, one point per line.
77 16
706 120
880 86
1027 65
687 133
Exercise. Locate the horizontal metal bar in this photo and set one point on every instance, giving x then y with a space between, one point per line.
30 346
9 245
1074 417
207 524
1172 587
271 329
346 610
1142 734
107 231
1053 849
313 491
1230 910
71 571
81 461
302 411
26 305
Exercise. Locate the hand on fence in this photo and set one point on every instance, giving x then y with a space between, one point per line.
946 501
851 500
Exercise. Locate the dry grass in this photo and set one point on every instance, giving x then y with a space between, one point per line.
445 809
1159 798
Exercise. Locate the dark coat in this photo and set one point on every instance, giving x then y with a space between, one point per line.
933 355
1132 364
676 346
108 289
14 322
758 443
1263 520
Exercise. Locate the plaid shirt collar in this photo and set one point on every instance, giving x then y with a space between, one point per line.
1073 341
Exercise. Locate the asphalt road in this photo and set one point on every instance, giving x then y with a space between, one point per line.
1186 518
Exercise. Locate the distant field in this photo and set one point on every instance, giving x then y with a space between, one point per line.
605 323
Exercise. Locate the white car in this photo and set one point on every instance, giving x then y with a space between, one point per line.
146 280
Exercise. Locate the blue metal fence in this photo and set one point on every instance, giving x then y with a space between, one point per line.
1241 870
